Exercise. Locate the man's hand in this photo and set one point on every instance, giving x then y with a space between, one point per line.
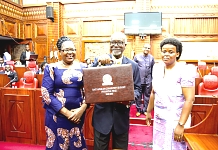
104 59
127 103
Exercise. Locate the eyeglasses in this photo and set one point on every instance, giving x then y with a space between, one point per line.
68 50
146 47
119 43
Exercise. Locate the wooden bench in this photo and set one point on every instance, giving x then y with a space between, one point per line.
204 135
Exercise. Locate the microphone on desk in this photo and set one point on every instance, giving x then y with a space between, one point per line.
10 82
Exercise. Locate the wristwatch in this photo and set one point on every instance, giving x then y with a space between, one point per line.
181 124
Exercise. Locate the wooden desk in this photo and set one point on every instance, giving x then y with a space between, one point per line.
40 78
197 82
204 135
205 99
201 141
4 80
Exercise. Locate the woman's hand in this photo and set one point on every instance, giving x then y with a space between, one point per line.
76 114
178 133
148 119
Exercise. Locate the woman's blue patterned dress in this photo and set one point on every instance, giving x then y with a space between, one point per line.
62 88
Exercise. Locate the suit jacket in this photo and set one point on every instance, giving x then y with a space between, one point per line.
13 76
116 115
23 57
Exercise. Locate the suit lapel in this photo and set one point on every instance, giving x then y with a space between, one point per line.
125 60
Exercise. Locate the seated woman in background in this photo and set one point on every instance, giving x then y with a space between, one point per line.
11 74
42 67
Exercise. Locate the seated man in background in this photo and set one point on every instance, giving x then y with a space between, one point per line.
11 74
17 62
2 64
7 56
42 67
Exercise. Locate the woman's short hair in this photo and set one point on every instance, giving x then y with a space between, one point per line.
61 40
175 42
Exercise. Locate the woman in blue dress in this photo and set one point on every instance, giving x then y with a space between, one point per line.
63 99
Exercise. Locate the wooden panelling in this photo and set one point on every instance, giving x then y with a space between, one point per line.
28 30
204 134
17 110
40 78
104 9
166 25
79 54
208 125
20 71
34 13
40 30
11 10
205 51
19 124
10 28
196 26
21 30
155 48
4 80
71 28
95 48
199 113
119 26
40 49
1 27
97 28
129 50
39 118
205 99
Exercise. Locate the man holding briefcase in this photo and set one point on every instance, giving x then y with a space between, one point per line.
113 117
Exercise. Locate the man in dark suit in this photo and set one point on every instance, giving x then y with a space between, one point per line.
114 117
11 74
25 55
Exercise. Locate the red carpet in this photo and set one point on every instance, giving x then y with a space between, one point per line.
133 112
140 137
19 146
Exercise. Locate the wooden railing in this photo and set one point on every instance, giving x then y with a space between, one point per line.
204 135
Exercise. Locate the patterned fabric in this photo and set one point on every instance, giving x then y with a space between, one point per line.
61 87
168 104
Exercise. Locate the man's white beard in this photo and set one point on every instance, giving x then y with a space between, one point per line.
116 52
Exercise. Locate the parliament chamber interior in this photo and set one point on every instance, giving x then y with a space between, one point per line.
89 23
